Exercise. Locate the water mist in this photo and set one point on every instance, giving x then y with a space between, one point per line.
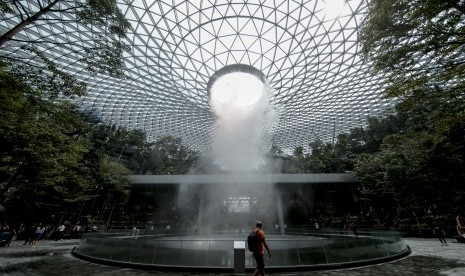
239 96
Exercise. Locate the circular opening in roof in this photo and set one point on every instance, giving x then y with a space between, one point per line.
235 87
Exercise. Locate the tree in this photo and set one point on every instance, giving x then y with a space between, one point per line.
41 145
170 156
113 186
419 44
51 160
411 170
128 147
326 158
275 151
295 163
101 53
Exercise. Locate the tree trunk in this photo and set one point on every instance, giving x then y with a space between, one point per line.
109 217
18 28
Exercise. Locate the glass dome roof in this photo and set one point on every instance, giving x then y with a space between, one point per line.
307 50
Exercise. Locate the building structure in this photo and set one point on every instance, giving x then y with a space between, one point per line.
307 50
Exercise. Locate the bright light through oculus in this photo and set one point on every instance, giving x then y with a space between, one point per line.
237 89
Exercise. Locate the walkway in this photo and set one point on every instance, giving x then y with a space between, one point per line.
52 258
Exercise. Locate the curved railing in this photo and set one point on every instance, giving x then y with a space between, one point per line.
299 251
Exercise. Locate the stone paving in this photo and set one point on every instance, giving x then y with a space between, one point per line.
53 258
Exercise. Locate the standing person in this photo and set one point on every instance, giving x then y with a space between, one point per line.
77 231
353 228
29 234
61 232
258 254
440 233
37 234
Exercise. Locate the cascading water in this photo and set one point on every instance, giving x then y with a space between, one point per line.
239 96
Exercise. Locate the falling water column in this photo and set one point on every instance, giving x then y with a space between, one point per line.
279 207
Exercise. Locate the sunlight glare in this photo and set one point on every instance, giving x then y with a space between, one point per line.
237 89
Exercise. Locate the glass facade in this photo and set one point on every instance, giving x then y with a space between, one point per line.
308 51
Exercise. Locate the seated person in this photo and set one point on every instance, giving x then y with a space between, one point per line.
460 226
5 238
460 231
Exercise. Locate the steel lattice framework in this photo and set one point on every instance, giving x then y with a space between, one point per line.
311 58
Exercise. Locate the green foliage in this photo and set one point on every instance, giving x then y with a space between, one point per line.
419 44
321 158
106 55
39 144
52 84
104 14
275 150
57 162
125 146
114 178
4 8
102 54
51 160
169 156
406 160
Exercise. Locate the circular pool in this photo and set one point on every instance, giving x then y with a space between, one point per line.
325 249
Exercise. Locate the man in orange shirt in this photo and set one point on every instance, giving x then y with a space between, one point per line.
258 255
